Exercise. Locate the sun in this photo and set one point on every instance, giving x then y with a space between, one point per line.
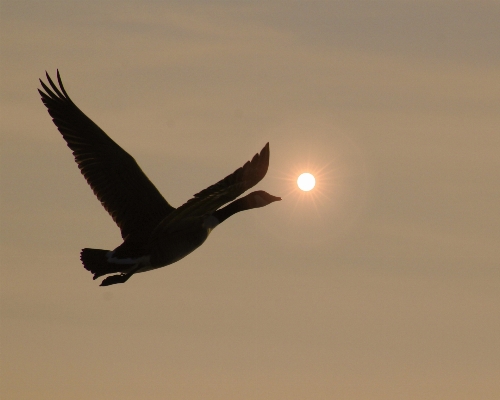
306 182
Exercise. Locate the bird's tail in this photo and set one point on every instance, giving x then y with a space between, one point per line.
96 261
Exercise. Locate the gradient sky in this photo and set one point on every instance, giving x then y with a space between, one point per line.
382 283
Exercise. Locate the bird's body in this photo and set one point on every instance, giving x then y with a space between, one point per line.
154 233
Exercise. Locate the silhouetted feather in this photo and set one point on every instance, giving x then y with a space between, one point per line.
224 191
124 190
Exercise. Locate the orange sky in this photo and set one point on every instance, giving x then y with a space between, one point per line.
382 283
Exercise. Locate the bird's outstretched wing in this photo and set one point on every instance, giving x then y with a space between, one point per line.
226 190
124 190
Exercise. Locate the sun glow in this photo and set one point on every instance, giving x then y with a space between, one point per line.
306 182
310 193
336 193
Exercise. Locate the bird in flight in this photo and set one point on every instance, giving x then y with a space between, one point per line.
154 233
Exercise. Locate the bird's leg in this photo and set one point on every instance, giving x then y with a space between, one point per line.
120 278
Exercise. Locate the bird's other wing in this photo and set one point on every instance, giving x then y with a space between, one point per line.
224 191
124 190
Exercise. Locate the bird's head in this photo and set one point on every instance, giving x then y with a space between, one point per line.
260 198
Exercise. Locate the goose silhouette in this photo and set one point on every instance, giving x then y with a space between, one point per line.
154 233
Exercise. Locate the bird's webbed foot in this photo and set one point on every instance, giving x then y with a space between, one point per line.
114 279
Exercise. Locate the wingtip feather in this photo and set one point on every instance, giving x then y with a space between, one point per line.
61 84
53 85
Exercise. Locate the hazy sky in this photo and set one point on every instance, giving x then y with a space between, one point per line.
383 283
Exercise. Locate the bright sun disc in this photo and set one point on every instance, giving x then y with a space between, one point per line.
306 181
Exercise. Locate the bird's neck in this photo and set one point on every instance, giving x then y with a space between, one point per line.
232 208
